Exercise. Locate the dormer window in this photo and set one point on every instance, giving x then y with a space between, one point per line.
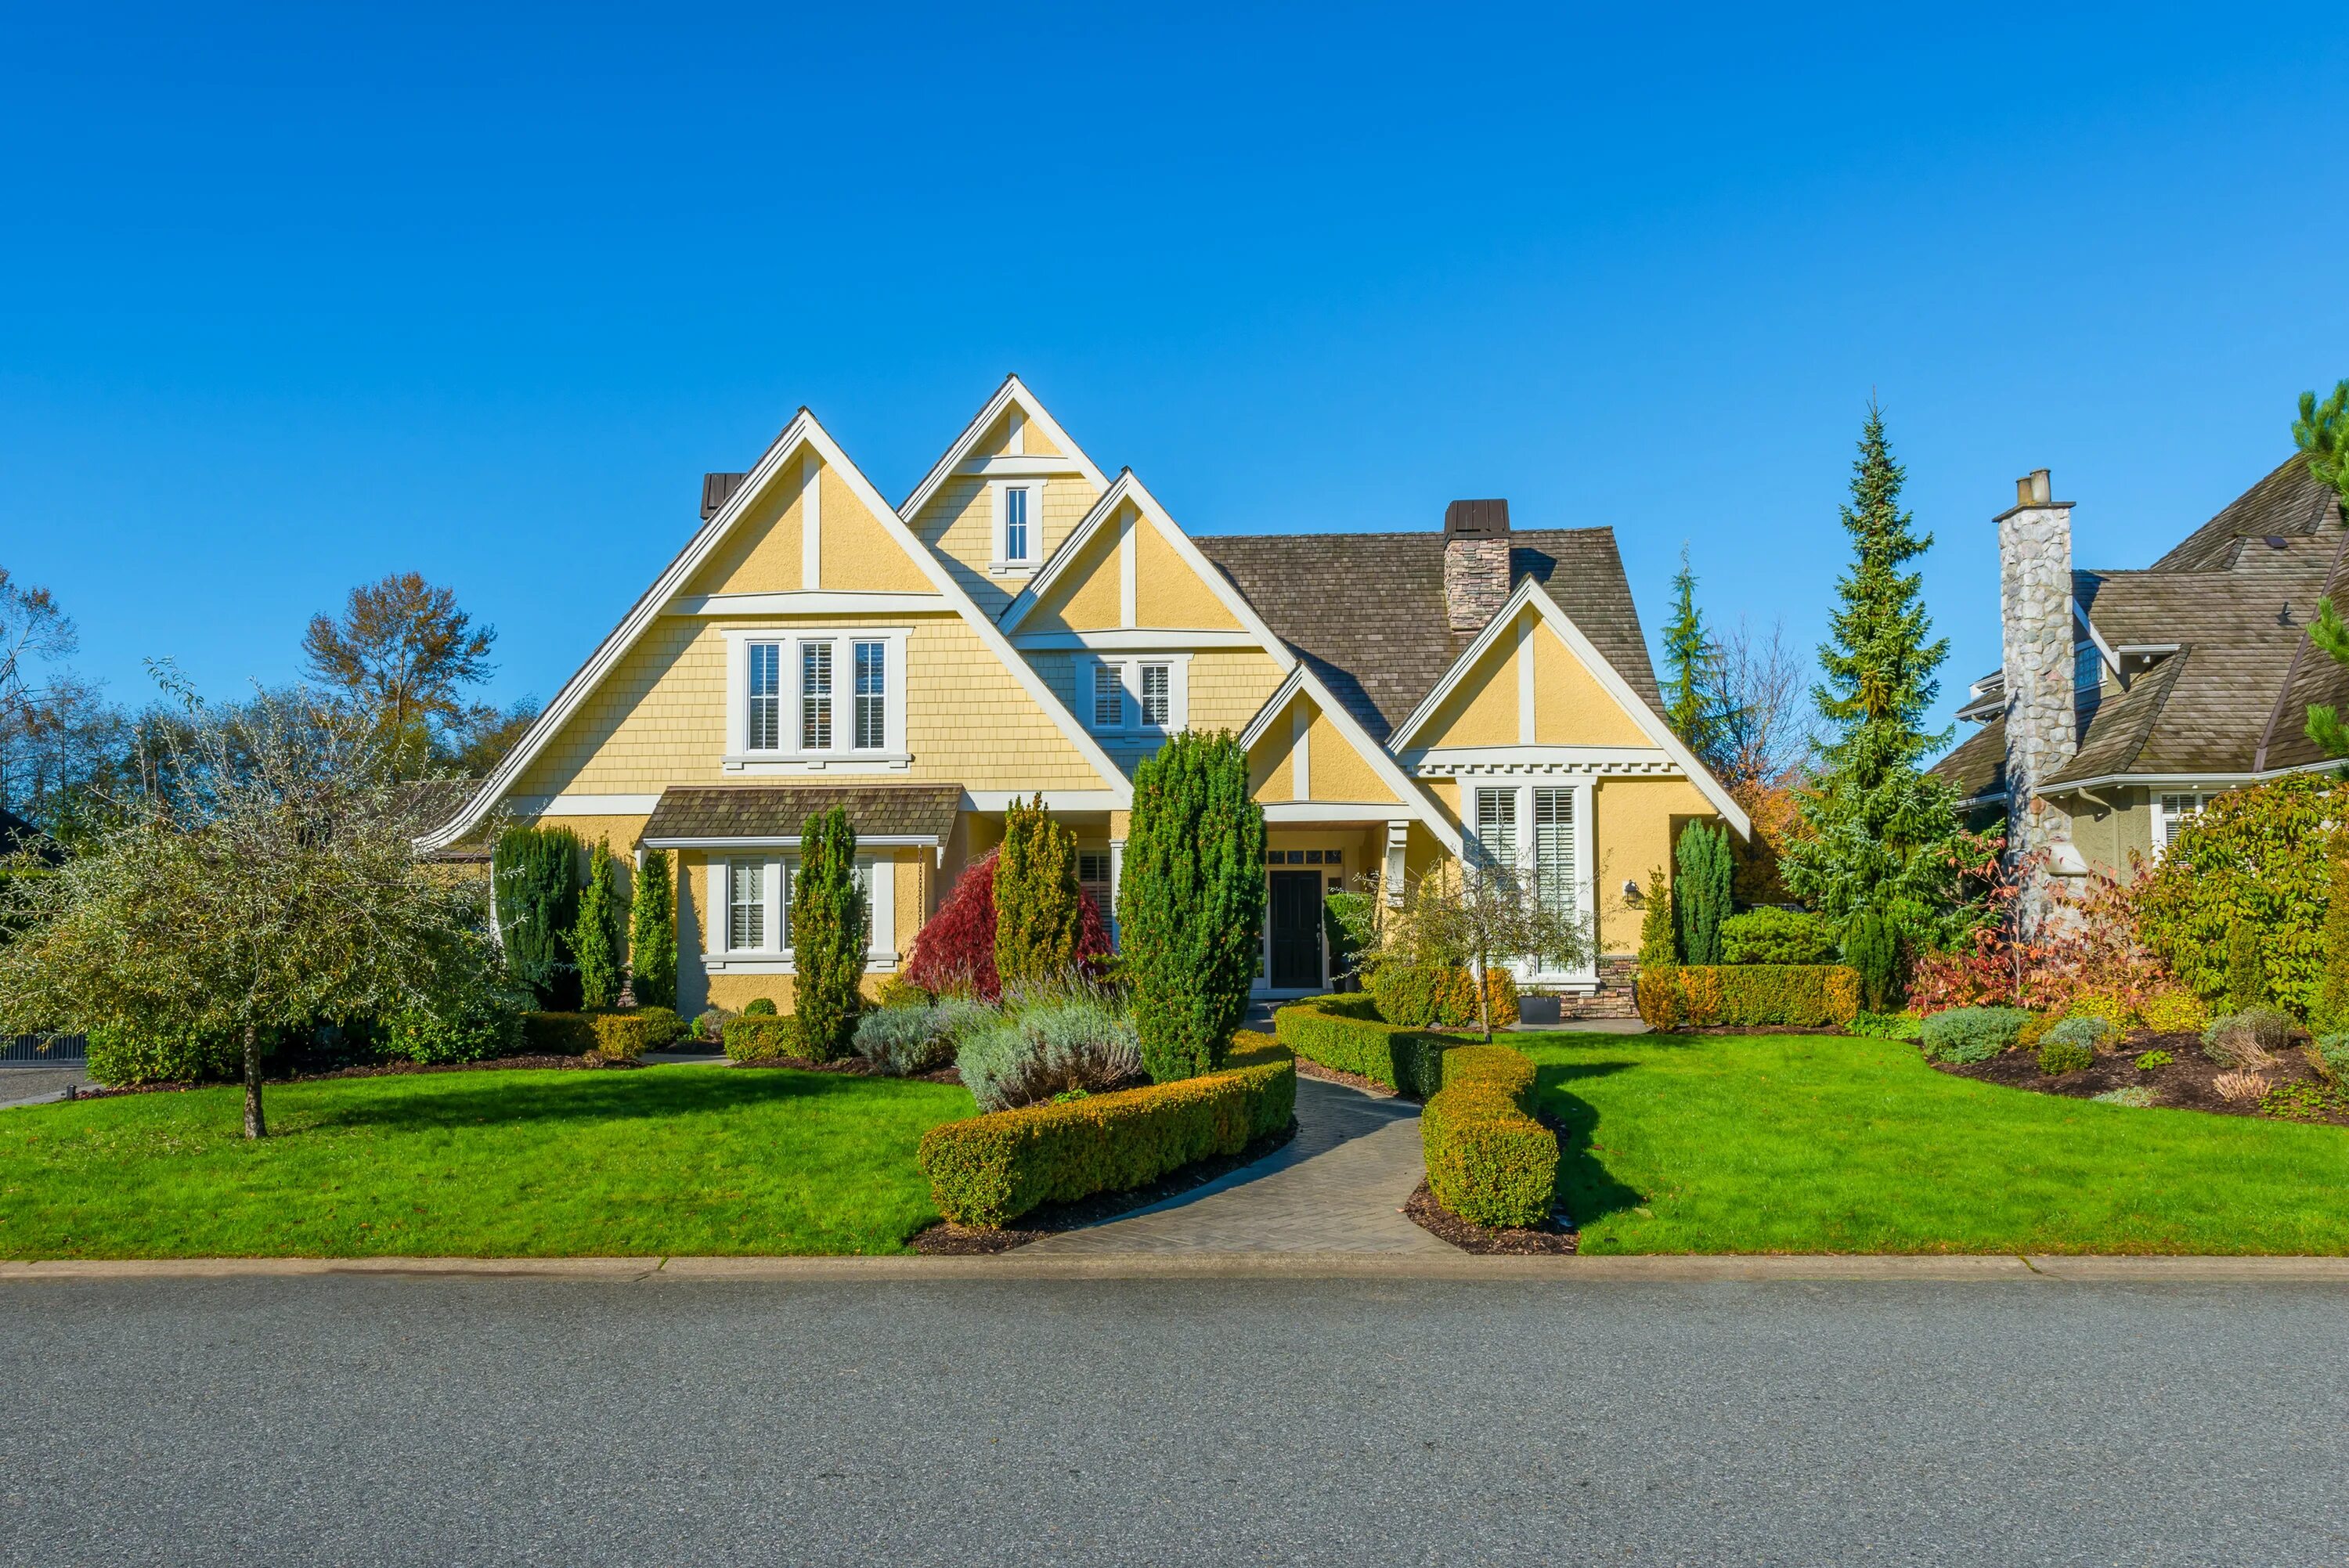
1018 526
1143 698
802 700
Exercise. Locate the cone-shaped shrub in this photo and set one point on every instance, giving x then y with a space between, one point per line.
652 935
2247 970
1191 902
1701 892
1038 917
828 938
1873 948
536 876
596 934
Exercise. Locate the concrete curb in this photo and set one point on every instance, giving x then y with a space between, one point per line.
1636 1270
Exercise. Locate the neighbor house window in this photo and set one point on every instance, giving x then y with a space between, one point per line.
1157 695
1108 698
815 697
1496 826
2175 812
1016 534
746 906
871 695
764 731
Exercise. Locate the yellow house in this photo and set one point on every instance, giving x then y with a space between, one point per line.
1023 623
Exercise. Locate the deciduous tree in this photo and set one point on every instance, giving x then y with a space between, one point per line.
402 653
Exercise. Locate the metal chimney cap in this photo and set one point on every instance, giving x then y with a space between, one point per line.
1476 517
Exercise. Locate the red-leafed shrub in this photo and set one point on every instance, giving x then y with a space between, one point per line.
956 949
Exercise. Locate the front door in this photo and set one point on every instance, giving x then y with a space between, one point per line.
1296 921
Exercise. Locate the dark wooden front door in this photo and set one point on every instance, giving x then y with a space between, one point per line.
1296 920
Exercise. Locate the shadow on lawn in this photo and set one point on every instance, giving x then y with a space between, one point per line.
600 1097
1585 1188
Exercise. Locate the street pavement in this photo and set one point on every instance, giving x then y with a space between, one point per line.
458 1420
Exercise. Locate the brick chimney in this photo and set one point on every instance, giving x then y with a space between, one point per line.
2034 563
1476 563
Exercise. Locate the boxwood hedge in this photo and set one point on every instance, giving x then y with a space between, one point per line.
1489 1161
1345 1034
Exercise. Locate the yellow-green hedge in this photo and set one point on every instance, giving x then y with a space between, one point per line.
1489 1161
990 1170
1421 996
757 1035
1346 1035
623 1033
1744 996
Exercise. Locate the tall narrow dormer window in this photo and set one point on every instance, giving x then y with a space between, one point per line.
1108 698
764 728
815 697
1157 695
871 695
1017 534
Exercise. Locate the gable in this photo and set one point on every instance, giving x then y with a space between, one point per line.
952 511
1169 593
1088 595
805 529
1303 755
1529 688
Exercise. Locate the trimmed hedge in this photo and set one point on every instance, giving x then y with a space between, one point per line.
756 1035
1345 1034
1489 1161
1744 995
1416 996
990 1170
624 1034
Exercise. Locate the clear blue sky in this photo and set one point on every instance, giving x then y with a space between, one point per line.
289 300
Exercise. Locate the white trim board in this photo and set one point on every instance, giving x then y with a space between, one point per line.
959 451
842 601
1531 593
803 434
1411 800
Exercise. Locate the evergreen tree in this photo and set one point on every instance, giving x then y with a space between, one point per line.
1190 904
1701 892
1870 948
1877 833
535 878
1692 686
2321 433
1038 909
828 938
652 935
596 934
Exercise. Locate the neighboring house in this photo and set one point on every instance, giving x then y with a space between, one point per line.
2125 699
1025 624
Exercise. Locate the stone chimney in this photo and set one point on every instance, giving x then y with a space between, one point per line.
1475 564
2034 569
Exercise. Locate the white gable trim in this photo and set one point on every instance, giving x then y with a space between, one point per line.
1130 489
1411 797
801 434
1531 593
1013 391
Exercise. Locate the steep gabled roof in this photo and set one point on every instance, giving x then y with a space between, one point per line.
1013 391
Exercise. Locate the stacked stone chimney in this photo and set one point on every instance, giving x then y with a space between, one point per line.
1475 564
2034 557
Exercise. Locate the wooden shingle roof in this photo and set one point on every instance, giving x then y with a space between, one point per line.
772 813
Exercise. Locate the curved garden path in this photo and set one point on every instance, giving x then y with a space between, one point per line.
1339 1186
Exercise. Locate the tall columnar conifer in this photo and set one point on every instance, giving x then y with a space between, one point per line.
1880 833
2321 433
652 935
828 938
1693 700
1191 902
1038 904
536 873
595 935
1701 892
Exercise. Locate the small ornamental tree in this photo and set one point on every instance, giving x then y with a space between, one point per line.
272 886
1190 901
1038 904
1657 988
828 938
953 955
595 935
1701 890
652 935
535 874
2247 970
2322 432
1479 917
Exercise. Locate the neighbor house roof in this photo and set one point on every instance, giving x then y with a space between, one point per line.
1366 611
772 813
2226 614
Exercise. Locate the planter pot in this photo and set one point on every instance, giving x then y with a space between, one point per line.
1538 1010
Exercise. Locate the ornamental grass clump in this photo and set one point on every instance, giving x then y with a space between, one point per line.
913 1036
2249 1040
2240 1085
1966 1034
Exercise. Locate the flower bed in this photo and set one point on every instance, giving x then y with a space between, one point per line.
990 1169
1489 1161
1345 1034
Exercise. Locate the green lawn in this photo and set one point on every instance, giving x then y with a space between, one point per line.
669 1159
1818 1144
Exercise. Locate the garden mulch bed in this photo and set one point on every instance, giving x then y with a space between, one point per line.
1352 1080
949 1239
1554 1238
2185 1083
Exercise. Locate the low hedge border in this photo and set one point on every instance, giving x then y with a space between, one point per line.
990 1170
622 1034
756 1035
1345 1034
1489 1161
1748 996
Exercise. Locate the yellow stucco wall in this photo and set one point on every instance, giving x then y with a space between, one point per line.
1088 596
1482 708
1631 836
1335 771
762 555
1272 772
659 718
1167 592
1570 708
856 554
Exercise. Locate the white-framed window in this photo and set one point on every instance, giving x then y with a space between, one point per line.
1093 875
1019 524
1554 857
843 704
1144 696
2172 812
1496 828
1540 831
750 900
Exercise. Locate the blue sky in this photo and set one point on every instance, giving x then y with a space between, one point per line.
291 299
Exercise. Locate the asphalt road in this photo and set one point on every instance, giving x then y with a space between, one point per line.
479 1420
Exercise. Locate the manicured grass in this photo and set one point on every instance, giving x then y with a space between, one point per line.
668 1160
1822 1144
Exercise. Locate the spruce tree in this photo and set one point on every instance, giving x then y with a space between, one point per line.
1879 832
1692 695
652 935
828 938
597 933
2321 433
1190 901
1037 912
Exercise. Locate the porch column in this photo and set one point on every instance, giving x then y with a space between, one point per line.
1398 840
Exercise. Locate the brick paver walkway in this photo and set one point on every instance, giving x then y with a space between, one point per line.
1337 1186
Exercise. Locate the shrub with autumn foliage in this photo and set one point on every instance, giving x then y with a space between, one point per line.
2088 944
955 952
